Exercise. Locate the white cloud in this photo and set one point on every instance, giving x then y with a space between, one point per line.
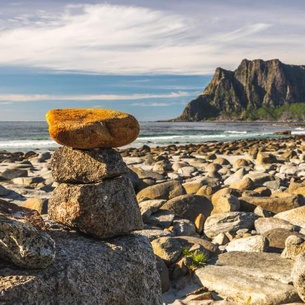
118 39
155 104
18 98
244 32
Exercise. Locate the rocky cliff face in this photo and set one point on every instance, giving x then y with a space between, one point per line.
240 94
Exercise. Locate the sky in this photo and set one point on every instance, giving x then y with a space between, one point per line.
145 57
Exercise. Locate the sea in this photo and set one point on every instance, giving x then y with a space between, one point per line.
25 136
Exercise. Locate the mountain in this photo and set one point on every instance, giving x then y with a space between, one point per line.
256 90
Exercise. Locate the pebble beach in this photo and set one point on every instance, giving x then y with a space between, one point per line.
240 203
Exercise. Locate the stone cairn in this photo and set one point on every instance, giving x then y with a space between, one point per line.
94 195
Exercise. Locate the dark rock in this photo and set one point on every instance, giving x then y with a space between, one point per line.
189 206
103 209
85 166
277 238
87 271
12 173
4 191
161 218
164 274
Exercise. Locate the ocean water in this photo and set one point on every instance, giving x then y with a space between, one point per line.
24 136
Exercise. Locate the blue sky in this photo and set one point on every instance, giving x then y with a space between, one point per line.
148 58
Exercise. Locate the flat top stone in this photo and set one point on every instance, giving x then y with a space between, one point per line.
250 278
87 128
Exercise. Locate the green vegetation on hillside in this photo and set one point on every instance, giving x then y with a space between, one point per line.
295 111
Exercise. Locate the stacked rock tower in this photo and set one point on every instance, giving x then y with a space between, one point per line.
93 194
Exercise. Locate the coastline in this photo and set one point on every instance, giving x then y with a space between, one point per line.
259 168
24 136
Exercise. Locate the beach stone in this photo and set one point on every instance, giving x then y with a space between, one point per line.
19 213
205 190
165 190
225 191
148 207
28 181
199 223
87 271
104 209
193 186
220 239
295 216
274 185
243 184
167 248
164 274
294 245
193 242
225 172
265 158
299 191
154 233
221 161
255 243
277 238
161 218
86 128
226 203
213 167
288 169
264 191
85 166
271 204
162 166
189 206
38 204
250 278
293 186
259 211
187 171
4 191
183 227
259 178
263 224
24 245
298 275
242 163
12 173
237 176
43 157
147 174
178 164
228 222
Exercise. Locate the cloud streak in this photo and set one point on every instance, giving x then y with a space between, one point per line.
156 104
21 98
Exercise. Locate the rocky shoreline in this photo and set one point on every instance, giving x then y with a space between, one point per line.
240 205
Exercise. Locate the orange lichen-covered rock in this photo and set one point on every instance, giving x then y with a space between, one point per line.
87 128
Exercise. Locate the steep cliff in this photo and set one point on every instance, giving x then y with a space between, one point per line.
255 90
